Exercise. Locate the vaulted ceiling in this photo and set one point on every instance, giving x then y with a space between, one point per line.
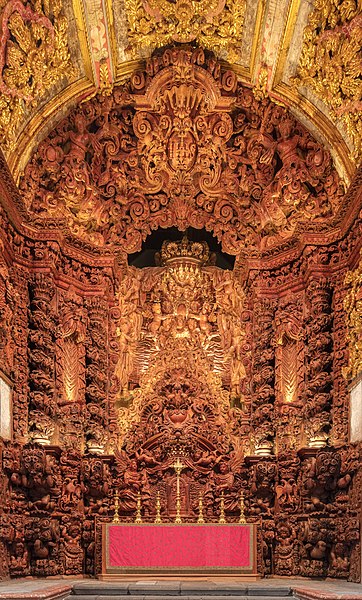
57 53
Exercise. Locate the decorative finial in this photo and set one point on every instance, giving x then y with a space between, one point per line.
158 509
242 508
222 508
138 518
116 507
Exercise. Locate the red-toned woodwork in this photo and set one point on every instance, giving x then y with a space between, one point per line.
118 371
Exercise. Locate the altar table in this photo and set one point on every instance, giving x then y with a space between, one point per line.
167 548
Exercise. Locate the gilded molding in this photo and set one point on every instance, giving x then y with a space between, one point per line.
39 124
330 63
353 308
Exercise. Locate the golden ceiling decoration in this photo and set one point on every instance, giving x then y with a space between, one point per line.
215 25
34 55
331 62
353 307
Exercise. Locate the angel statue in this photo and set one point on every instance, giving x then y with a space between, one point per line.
133 482
222 480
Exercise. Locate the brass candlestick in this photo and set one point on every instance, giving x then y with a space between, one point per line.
116 507
201 515
178 466
222 508
138 518
242 508
158 509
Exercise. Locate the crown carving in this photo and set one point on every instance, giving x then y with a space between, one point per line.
184 251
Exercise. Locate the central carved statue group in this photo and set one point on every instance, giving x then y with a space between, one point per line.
180 375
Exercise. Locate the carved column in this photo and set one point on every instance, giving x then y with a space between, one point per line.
319 344
96 376
42 352
20 370
263 378
339 411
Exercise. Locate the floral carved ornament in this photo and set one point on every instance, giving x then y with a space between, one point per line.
182 144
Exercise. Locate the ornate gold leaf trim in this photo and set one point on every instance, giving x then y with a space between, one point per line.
330 63
353 308
34 56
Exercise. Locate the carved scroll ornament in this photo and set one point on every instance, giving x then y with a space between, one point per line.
182 144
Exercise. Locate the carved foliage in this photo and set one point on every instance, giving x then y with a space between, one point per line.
156 23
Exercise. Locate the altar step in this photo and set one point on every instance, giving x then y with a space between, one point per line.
186 597
162 590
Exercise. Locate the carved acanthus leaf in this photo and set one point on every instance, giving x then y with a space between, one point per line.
215 25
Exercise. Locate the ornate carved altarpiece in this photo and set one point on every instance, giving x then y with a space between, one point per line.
119 372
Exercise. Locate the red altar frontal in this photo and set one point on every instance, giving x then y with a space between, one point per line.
191 548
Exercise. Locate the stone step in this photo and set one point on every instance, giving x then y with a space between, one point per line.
167 597
189 589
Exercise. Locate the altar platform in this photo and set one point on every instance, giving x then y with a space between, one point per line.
187 549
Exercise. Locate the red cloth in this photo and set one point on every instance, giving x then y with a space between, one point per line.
180 546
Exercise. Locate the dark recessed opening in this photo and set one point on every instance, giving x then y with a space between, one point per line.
153 243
